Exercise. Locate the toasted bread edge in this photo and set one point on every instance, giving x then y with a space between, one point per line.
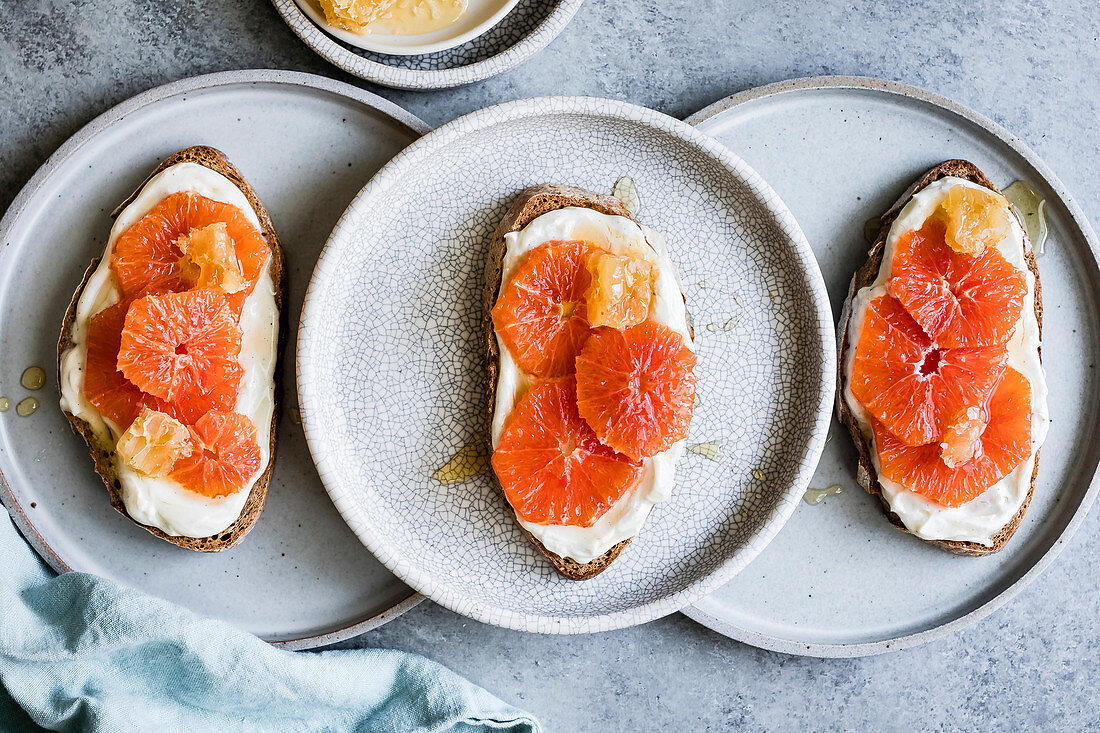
102 453
865 275
530 204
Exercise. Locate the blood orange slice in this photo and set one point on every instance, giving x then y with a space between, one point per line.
146 256
1002 446
225 455
183 347
551 465
104 385
911 385
541 314
636 388
960 300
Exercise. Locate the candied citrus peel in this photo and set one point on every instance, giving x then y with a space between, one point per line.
975 218
962 438
153 443
210 260
620 289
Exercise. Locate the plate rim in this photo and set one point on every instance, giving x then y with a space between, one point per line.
861 649
782 511
494 20
101 123
420 79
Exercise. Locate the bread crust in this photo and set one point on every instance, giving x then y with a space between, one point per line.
103 452
864 276
530 204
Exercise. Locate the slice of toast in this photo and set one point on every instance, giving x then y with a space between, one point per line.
530 204
864 276
103 451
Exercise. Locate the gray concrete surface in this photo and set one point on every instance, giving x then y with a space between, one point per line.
1032 66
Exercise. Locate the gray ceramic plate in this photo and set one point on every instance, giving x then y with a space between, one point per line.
523 32
393 380
307 144
839 580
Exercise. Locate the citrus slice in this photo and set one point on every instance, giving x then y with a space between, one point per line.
541 315
225 456
620 289
552 467
113 395
1003 445
636 388
153 443
146 258
182 348
959 300
911 385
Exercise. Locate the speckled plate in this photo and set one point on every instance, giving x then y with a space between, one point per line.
526 29
840 581
307 144
393 380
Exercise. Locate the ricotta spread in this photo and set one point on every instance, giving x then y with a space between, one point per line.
161 502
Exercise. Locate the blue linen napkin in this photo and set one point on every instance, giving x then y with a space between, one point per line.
78 652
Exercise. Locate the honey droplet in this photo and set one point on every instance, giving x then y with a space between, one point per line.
5 404
469 463
813 497
26 407
33 378
871 229
627 192
710 450
758 474
1031 209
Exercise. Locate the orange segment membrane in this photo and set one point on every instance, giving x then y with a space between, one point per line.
541 315
153 443
976 219
620 289
552 467
636 388
226 455
209 260
183 348
959 300
1001 447
911 385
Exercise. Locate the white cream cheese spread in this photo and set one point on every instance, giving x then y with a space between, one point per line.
619 235
979 519
161 502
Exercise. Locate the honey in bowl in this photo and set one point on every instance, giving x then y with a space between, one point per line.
393 17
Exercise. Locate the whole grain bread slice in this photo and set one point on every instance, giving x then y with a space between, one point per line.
864 276
530 204
103 450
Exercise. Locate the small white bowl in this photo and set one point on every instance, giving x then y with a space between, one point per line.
480 16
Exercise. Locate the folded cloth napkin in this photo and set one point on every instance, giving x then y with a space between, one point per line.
78 652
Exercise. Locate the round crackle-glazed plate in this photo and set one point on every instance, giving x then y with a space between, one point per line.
392 375
503 44
840 581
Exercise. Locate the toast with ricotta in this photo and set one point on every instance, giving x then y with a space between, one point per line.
222 521
961 532
548 214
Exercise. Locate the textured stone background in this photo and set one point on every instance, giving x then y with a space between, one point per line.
1032 66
